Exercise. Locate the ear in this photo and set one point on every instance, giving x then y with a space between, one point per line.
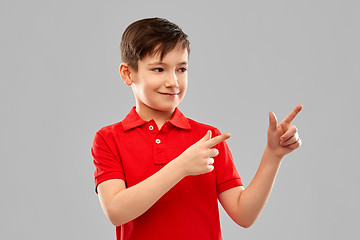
125 73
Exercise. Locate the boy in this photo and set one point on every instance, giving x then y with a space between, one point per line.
159 174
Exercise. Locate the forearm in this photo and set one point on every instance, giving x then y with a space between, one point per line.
132 202
253 199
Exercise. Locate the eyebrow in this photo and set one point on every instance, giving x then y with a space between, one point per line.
162 63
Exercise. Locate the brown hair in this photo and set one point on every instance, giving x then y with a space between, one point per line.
151 36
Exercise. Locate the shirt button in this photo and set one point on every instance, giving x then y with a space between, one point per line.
158 141
151 127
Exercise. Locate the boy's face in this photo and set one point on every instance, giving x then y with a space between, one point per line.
161 85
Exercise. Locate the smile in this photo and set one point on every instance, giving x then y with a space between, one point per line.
169 94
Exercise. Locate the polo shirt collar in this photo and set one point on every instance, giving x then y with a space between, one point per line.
133 120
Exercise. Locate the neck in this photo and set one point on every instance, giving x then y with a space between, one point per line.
147 113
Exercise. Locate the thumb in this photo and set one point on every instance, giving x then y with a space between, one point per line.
272 121
206 137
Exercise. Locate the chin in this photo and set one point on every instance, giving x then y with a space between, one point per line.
166 107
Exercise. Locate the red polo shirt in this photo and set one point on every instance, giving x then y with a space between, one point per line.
134 149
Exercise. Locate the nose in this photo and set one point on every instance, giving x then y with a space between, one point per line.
171 80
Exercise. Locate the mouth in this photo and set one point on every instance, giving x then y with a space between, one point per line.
169 94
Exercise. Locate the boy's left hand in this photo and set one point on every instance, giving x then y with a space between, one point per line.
283 138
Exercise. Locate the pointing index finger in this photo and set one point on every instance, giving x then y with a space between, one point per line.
292 114
218 139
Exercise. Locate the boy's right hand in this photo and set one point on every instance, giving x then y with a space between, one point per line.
198 158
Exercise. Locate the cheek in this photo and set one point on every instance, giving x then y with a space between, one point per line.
152 81
184 84
183 88
145 83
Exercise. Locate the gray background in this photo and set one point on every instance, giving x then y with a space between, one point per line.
60 84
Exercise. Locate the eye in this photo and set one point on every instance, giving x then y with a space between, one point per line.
182 69
158 69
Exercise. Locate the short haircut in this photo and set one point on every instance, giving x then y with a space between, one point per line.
151 36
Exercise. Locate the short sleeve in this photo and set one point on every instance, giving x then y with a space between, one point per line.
107 164
226 174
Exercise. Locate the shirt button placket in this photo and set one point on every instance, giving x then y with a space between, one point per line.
159 148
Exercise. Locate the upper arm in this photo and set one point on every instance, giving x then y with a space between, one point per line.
107 191
229 201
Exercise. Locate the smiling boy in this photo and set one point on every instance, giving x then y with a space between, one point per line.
159 174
